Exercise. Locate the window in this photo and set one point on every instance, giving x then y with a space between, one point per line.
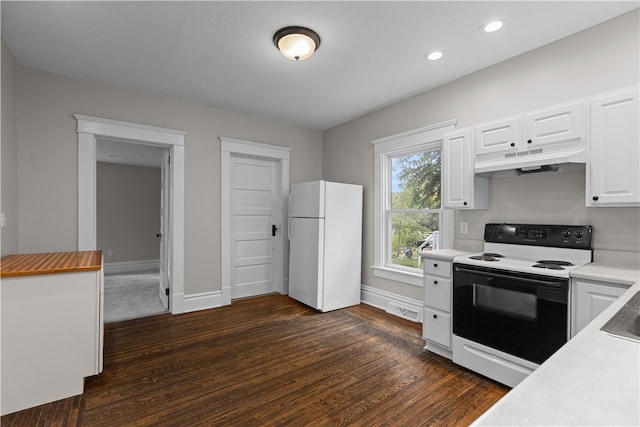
409 216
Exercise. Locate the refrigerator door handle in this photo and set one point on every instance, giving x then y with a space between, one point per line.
289 229
290 203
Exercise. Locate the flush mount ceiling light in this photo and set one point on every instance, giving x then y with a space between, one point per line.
492 26
296 43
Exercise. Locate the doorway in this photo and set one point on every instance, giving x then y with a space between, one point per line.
251 236
130 218
90 129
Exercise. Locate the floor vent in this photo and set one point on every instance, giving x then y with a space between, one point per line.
404 312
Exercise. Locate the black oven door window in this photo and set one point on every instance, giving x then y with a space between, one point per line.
520 314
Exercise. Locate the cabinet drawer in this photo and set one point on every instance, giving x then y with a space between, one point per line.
436 327
437 267
437 292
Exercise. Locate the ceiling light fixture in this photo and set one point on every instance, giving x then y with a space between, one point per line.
434 56
492 26
296 43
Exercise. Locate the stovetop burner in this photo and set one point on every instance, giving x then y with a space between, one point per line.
555 262
552 264
487 256
549 266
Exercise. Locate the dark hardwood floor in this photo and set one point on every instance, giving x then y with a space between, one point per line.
270 361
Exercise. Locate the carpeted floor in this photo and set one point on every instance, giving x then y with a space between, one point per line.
131 295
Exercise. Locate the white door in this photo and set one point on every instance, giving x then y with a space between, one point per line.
254 226
163 232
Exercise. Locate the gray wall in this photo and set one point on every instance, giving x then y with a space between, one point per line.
9 154
128 217
599 59
49 155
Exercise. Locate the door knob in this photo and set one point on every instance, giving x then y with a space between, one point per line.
158 235
274 228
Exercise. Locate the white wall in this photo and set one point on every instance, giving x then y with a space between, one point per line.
48 161
599 59
9 154
128 212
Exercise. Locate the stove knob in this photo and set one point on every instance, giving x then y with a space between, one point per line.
579 234
566 234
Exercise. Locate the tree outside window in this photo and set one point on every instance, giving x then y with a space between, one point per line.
414 205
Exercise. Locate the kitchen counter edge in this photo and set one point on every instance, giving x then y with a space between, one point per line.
444 254
622 275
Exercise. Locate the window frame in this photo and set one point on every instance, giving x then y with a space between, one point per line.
411 142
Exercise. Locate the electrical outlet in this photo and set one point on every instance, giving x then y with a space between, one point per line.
110 252
464 227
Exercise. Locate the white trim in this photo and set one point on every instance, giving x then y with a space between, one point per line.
398 275
280 154
91 127
131 266
425 138
202 301
381 299
413 137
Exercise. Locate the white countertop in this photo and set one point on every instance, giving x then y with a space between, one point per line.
594 379
445 254
622 275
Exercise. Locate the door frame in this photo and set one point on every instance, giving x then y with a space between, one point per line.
89 129
236 147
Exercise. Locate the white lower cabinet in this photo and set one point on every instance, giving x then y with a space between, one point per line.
589 298
437 322
437 327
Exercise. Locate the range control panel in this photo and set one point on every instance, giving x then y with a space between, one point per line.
557 236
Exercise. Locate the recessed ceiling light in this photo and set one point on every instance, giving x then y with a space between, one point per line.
434 56
492 26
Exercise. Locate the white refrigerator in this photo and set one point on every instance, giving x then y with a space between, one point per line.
325 250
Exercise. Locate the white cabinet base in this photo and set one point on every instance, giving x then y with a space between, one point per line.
51 337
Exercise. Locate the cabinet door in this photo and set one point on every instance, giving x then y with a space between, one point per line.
436 327
496 137
553 125
613 176
437 293
437 267
457 169
590 299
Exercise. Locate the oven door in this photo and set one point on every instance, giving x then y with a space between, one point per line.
525 315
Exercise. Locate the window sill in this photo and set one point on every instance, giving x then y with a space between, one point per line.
408 277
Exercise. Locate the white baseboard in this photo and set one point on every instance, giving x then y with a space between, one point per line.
131 266
203 301
389 302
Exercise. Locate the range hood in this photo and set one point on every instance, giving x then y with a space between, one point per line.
533 160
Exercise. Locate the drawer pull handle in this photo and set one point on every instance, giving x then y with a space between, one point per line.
435 265
435 282
435 316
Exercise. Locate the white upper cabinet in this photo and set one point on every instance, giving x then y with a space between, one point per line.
462 188
613 177
553 125
497 137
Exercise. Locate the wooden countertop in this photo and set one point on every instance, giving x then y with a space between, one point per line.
49 263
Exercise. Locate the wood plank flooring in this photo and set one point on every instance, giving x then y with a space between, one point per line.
270 361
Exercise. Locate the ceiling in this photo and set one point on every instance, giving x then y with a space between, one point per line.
222 54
